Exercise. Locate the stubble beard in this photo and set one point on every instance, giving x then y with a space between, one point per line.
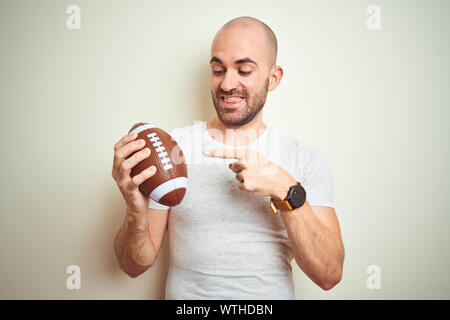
252 107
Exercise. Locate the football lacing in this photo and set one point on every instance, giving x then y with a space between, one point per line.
160 150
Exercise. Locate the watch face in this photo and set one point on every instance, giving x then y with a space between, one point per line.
298 196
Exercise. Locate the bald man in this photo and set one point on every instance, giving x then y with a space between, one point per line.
256 198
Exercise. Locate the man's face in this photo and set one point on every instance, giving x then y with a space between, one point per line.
239 74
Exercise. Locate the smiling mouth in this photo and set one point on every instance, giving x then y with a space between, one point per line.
232 101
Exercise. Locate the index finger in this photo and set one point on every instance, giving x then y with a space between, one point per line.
124 140
226 153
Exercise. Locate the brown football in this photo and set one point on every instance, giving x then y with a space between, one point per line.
168 185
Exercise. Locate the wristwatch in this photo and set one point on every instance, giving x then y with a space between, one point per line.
295 198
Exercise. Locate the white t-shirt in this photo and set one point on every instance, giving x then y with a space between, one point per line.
226 243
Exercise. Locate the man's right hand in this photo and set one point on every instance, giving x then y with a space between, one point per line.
122 165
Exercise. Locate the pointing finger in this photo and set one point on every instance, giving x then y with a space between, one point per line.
226 153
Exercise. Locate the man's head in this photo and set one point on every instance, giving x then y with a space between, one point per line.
243 69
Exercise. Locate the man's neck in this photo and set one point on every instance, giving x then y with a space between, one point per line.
236 135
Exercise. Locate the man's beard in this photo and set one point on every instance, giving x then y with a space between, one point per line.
252 106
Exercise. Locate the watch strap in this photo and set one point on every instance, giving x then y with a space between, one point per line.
276 205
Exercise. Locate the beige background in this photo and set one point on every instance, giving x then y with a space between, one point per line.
375 102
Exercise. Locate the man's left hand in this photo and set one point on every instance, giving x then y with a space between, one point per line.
255 173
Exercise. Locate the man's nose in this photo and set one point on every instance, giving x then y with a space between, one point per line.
229 82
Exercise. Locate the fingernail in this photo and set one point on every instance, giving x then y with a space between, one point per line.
206 152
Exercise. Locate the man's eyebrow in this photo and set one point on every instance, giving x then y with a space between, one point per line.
240 61
245 60
215 59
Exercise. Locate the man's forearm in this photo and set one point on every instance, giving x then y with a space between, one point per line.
133 246
318 251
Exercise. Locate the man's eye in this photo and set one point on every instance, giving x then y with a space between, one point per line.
241 72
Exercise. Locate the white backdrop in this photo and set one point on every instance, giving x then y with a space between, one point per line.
374 101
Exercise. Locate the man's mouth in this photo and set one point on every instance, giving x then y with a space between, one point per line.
232 101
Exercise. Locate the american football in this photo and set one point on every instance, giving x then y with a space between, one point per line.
168 185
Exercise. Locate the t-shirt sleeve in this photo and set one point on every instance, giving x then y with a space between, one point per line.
155 205
317 179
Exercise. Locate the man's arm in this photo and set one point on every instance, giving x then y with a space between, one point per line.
315 236
139 239
314 233
316 242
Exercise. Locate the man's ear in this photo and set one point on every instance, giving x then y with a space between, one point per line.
275 77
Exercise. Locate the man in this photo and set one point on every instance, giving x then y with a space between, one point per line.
225 240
